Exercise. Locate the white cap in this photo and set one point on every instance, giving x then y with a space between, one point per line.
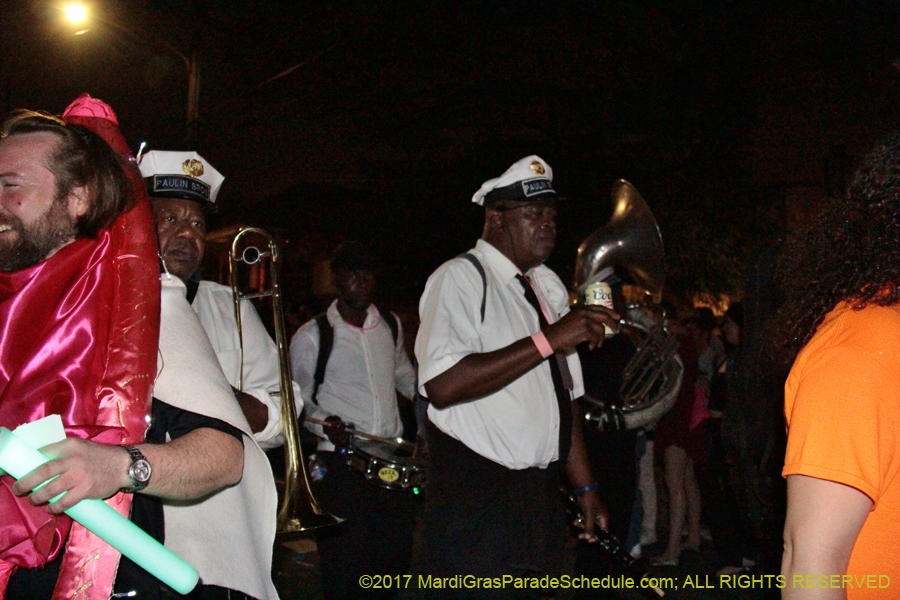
530 177
180 175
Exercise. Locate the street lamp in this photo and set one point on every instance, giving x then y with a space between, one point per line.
77 14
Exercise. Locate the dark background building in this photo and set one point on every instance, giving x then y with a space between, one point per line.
380 120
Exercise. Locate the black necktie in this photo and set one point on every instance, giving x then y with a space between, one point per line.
559 372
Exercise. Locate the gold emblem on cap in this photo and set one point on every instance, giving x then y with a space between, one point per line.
538 168
192 167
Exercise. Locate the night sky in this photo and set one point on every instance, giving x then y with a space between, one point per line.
733 119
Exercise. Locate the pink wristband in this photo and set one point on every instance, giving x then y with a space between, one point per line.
543 346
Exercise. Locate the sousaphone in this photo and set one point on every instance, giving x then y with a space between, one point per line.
630 242
632 245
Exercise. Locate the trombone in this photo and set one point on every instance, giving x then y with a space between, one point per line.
299 510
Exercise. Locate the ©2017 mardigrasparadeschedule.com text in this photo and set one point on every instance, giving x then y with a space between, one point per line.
741 581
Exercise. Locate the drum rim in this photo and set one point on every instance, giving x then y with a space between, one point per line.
411 471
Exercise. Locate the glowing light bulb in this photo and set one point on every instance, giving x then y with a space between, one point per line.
76 13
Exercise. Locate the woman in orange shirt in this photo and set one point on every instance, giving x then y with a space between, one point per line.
840 327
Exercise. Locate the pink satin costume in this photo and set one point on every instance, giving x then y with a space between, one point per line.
79 334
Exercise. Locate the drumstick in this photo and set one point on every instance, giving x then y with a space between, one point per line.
361 434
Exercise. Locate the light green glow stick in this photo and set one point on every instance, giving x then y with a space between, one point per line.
18 458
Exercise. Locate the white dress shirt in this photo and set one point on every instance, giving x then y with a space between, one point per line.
364 372
518 426
214 305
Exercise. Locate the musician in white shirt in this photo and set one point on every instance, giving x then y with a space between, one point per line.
366 368
180 205
497 364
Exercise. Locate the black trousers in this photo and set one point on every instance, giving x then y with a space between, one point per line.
612 456
375 539
484 520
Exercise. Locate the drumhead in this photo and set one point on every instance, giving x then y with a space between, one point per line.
402 454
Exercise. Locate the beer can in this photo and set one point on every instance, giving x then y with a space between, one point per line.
600 294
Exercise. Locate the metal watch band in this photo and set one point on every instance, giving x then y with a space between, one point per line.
139 470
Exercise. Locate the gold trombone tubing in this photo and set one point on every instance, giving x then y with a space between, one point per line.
299 510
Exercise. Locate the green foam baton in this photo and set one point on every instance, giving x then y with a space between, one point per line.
19 456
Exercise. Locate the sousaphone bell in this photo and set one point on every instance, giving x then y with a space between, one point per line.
630 242
632 245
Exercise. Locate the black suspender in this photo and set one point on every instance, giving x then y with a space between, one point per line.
480 268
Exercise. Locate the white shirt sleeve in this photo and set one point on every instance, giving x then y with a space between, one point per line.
450 310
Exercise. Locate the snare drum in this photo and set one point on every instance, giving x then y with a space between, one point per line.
386 465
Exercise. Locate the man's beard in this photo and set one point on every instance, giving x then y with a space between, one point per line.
34 243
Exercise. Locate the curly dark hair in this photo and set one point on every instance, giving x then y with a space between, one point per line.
850 252
82 158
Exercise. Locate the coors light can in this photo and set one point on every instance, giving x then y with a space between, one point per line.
600 294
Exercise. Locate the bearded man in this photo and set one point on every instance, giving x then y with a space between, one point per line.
80 340
75 252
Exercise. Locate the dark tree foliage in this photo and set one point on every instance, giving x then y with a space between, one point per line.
848 253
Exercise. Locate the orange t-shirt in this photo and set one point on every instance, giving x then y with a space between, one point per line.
842 403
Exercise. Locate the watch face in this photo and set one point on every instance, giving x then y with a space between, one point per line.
140 471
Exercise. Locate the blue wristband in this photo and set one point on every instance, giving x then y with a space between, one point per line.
584 490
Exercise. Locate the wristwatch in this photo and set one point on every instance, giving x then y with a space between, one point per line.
139 471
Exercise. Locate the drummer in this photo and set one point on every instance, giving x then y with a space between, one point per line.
351 362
